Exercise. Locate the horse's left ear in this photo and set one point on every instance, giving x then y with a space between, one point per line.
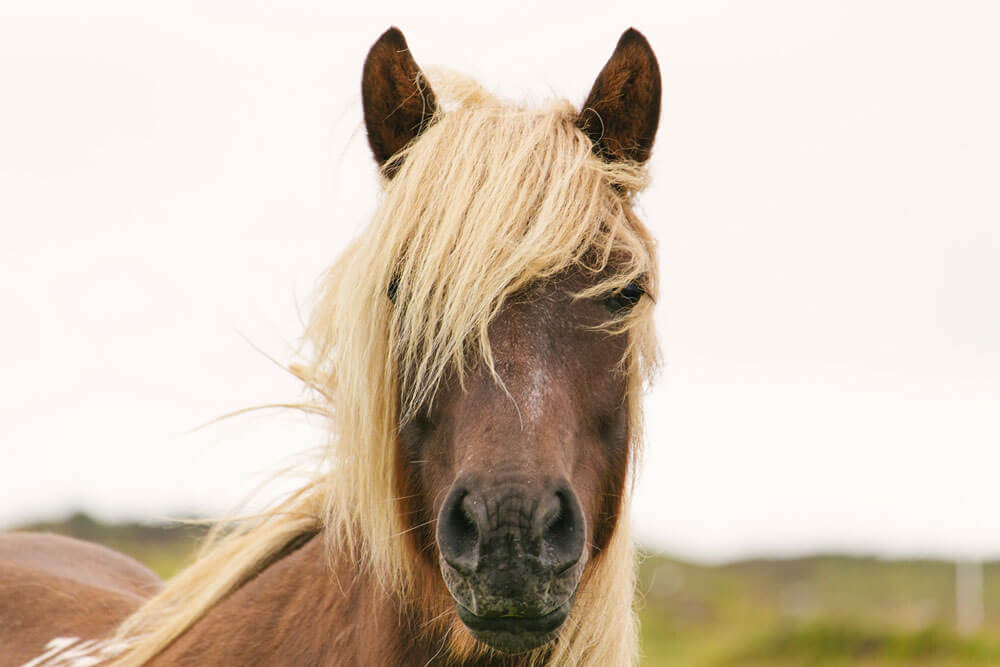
398 102
623 109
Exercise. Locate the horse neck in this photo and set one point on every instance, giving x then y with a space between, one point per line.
301 611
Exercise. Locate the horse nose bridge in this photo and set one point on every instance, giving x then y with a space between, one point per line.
529 383
510 510
519 433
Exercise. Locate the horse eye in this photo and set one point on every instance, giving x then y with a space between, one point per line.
624 299
391 290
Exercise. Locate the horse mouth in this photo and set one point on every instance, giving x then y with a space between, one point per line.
515 634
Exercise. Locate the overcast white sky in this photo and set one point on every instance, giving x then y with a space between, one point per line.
825 193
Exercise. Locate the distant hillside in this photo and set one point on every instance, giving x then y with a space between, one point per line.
821 611
163 547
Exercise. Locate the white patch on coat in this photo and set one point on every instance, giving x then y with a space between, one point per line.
72 652
532 403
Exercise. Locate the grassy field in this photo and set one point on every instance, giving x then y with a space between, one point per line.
824 611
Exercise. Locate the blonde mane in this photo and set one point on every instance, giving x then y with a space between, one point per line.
491 198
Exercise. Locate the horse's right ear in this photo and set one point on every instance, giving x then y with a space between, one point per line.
398 103
623 109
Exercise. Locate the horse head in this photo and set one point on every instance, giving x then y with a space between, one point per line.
514 464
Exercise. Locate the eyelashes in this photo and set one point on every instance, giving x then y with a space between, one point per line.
624 299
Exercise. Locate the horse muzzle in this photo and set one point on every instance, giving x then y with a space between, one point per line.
512 560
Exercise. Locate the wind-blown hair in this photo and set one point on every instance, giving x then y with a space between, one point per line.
490 199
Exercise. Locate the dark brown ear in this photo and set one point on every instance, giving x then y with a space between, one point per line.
398 103
623 108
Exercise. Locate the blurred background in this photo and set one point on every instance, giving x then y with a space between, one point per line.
820 481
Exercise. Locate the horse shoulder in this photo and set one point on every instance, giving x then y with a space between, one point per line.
57 587
302 609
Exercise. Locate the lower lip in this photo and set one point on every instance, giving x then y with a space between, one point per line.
514 625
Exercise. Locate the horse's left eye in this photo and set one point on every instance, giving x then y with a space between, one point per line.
625 298
392 288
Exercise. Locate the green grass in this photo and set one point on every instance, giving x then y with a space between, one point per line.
845 644
823 611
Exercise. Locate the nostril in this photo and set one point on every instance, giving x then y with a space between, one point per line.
560 523
458 532
466 530
563 535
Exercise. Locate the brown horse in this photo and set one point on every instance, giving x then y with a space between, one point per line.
480 350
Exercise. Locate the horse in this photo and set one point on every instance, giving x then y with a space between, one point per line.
480 350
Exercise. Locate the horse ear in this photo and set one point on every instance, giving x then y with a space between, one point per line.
398 103
623 108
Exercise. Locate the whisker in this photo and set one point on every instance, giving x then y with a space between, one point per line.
436 618
412 528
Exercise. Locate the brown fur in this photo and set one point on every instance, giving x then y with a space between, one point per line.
493 431
299 612
56 586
